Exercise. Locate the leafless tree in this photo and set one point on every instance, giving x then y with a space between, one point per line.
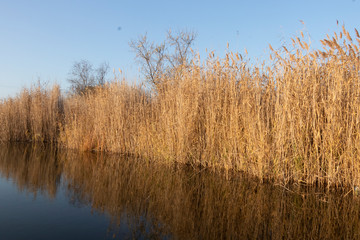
101 73
84 77
181 42
159 59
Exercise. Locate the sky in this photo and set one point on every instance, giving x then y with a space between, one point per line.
42 39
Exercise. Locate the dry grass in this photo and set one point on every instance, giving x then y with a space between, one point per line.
298 120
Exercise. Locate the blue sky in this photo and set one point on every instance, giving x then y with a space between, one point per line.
41 39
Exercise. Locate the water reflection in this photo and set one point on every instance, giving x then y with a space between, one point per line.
156 202
33 169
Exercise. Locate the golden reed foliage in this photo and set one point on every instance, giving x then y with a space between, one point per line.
296 120
34 115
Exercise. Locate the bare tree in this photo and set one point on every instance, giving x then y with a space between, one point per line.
181 42
159 59
83 77
101 73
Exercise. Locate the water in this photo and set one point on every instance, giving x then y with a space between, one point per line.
53 194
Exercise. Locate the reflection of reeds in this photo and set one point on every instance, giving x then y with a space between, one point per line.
297 120
33 168
157 200
201 205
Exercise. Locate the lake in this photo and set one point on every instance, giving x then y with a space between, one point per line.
57 194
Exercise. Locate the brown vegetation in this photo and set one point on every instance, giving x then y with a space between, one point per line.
34 115
298 120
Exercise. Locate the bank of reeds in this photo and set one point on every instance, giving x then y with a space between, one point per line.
296 120
34 115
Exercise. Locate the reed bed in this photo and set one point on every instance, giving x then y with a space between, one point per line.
294 120
34 115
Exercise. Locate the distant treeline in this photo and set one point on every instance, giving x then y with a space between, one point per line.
296 118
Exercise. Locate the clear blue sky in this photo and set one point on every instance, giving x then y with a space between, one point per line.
42 38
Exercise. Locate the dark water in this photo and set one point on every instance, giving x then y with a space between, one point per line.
49 194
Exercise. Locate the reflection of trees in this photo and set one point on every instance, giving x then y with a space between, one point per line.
156 201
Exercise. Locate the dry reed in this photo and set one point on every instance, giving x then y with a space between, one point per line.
33 115
298 120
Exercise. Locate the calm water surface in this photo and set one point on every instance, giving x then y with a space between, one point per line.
49 194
